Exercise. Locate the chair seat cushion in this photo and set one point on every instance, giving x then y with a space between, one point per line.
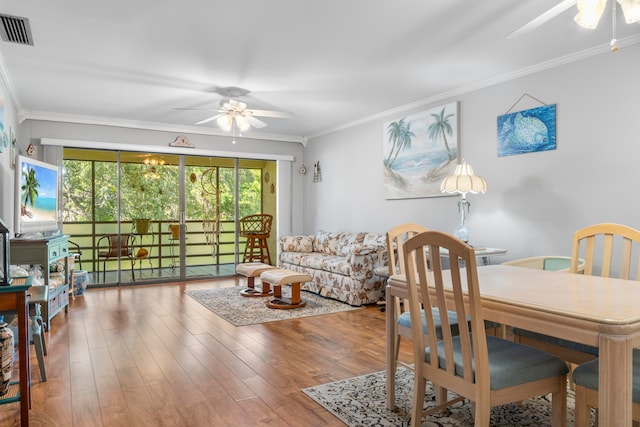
510 363
586 375
405 320
583 348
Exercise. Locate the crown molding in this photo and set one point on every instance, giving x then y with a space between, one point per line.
135 124
543 66
8 84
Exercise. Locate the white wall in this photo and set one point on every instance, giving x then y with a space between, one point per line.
6 173
535 201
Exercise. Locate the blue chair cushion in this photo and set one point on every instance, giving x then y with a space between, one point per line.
405 320
510 363
586 375
555 264
583 348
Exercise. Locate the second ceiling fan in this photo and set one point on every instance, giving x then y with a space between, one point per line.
589 13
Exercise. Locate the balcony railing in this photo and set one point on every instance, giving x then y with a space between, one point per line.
162 249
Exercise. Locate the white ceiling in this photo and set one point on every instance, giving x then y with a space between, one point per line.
331 63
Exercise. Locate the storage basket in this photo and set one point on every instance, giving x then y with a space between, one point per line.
22 280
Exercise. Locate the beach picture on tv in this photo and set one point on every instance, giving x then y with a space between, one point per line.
38 193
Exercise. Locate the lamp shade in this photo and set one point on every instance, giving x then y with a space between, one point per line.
463 181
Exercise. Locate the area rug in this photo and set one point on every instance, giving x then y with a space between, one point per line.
239 310
361 401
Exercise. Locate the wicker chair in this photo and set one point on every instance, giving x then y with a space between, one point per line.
256 229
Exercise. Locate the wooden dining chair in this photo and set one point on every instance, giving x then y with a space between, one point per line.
398 323
585 378
487 370
594 250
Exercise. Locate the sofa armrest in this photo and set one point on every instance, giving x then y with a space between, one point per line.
364 249
363 259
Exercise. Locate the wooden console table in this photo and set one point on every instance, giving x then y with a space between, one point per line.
45 251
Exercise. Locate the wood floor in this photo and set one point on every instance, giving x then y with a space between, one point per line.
152 356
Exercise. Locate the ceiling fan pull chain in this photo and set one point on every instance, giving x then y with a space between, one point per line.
614 41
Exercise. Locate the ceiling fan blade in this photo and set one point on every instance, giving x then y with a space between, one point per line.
269 113
210 119
197 109
543 18
256 123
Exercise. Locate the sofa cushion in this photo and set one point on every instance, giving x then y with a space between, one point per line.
348 239
326 243
297 244
313 260
337 264
293 257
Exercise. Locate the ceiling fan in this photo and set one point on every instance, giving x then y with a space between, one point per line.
237 113
589 14
234 114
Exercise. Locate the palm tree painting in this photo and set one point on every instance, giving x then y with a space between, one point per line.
419 151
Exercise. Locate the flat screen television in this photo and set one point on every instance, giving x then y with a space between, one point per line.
36 198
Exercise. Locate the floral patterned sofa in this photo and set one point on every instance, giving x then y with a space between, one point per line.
341 264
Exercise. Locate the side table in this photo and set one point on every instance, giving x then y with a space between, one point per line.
14 298
141 250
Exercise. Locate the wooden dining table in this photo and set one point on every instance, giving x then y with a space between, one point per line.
592 310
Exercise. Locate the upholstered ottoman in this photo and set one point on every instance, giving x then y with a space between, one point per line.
251 270
280 277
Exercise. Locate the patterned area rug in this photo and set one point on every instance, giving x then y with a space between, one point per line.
360 401
239 310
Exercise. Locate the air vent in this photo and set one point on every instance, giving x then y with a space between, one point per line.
15 29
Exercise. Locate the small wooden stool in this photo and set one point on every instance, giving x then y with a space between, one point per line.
252 270
281 277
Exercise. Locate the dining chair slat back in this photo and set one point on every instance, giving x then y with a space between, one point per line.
585 376
487 370
606 246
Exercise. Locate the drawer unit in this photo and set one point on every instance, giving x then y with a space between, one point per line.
58 251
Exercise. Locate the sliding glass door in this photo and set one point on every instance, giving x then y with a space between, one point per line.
148 217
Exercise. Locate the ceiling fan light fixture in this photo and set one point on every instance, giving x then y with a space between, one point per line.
589 13
225 122
242 122
631 10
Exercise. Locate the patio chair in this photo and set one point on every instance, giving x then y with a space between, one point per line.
256 229
115 246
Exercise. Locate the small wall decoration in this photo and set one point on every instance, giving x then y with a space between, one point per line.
12 144
181 141
419 151
527 131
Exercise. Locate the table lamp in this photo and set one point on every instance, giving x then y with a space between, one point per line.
463 181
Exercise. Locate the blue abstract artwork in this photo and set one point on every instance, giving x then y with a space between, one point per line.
527 131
